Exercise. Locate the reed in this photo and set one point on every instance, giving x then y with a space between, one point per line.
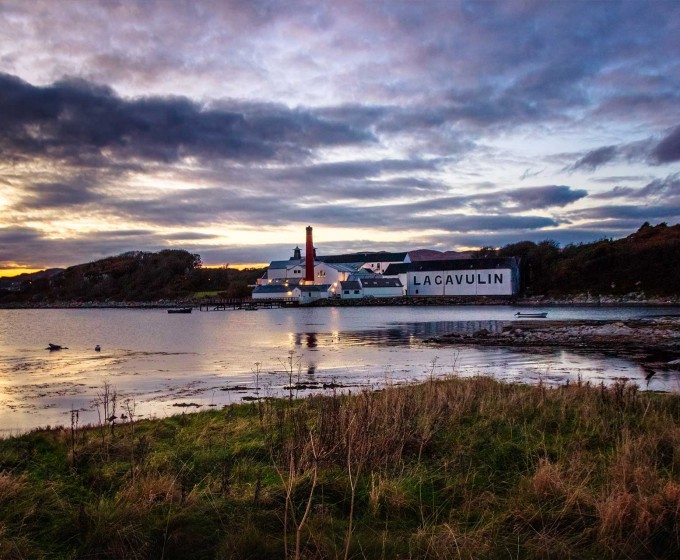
453 468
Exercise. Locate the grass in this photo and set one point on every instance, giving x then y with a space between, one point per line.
447 469
207 294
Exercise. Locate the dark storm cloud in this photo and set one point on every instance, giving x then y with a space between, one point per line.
74 119
227 206
17 235
57 195
666 189
639 213
40 248
532 198
619 179
517 200
651 151
668 150
595 158
391 115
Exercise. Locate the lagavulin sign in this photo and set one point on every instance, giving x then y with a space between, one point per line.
496 282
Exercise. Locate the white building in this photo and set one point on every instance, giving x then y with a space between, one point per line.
293 269
465 277
351 289
381 287
307 293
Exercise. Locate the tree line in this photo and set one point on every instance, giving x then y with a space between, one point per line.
646 261
135 276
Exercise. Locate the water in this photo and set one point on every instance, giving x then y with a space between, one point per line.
164 364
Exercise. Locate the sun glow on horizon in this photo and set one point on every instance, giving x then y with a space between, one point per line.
11 272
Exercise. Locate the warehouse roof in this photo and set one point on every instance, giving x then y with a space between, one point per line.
285 264
272 289
350 285
464 264
361 258
381 283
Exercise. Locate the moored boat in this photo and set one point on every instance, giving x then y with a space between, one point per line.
180 310
542 315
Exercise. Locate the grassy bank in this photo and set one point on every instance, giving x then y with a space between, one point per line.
447 469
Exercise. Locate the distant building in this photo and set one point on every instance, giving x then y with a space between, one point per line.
370 286
382 287
383 274
351 289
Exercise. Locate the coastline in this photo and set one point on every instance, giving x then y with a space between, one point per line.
584 300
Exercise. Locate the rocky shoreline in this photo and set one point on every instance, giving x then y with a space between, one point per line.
585 300
651 341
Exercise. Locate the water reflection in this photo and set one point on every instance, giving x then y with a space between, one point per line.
164 363
396 334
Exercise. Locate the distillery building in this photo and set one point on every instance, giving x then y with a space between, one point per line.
419 273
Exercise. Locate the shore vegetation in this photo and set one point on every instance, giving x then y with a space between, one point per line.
450 468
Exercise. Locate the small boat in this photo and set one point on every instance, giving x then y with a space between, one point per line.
180 310
52 347
542 315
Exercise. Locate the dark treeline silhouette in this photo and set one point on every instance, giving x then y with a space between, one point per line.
647 261
135 276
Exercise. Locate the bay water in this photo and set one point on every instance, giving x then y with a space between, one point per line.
158 363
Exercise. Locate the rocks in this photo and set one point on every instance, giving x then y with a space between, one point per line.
651 335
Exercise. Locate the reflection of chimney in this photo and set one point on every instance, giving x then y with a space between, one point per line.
309 257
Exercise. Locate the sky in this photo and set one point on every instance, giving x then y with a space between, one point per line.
225 127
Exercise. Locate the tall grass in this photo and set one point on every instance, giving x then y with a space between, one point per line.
447 469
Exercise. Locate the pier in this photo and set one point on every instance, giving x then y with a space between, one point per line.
247 304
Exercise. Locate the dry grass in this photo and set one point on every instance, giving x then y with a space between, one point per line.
447 469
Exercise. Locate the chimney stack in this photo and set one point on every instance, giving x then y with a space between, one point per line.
309 258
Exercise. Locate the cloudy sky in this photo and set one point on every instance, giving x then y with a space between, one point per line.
225 127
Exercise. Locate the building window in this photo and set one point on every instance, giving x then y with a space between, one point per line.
346 292
356 291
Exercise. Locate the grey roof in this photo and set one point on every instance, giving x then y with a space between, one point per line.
350 285
364 257
381 283
345 267
272 289
314 287
284 264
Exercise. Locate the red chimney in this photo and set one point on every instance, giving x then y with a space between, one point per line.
309 257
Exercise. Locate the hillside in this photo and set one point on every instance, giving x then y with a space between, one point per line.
646 261
133 276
